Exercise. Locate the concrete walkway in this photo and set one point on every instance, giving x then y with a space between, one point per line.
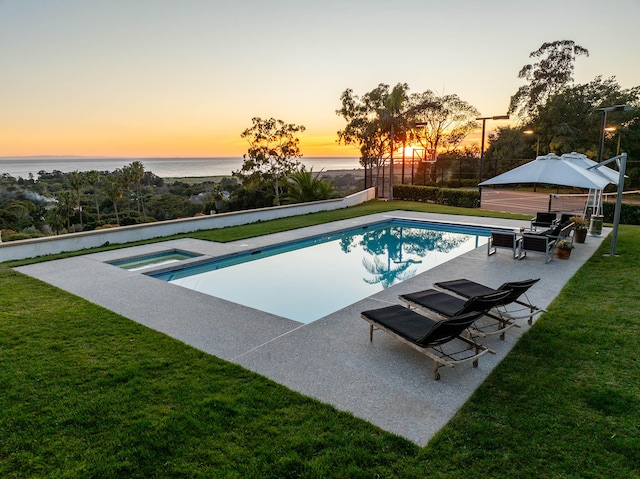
331 359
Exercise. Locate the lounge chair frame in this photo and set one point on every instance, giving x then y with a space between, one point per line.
465 288
434 348
486 303
504 239
481 303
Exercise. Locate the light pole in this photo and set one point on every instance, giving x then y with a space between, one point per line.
531 132
603 125
612 129
484 119
621 160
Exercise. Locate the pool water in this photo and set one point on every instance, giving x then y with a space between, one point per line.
157 259
309 279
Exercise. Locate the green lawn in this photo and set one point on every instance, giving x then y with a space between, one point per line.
85 392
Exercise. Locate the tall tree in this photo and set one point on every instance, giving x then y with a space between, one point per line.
570 121
272 153
369 123
67 200
113 190
548 76
440 123
77 181
94 179
127 180
137 175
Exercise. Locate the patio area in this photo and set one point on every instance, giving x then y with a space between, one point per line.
331 359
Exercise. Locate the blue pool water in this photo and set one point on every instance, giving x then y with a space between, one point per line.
309 279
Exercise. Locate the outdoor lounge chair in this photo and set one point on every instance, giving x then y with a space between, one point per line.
518 296
562 232
543 219
539 243
447 306
504 239
444 305
430 337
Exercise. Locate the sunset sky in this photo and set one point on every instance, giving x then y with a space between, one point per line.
165 78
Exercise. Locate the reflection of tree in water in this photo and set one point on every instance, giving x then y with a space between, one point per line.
347 243
398 243
387 273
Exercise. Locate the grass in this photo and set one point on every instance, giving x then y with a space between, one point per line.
85 392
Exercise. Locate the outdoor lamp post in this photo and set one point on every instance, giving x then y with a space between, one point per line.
484 119
531 132
604 124
612 129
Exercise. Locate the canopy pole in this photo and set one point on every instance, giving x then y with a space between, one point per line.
622 167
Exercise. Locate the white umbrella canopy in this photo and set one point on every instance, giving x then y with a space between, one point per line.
554 170
581 160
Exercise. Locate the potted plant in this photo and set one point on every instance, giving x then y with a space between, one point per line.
581 228
563 249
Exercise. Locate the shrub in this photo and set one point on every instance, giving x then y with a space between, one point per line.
629 214
441 196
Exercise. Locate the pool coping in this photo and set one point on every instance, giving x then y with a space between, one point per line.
330 359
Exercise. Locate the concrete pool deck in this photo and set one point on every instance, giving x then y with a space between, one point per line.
331 359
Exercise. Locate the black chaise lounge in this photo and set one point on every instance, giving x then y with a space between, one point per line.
430 337
518 296
444 305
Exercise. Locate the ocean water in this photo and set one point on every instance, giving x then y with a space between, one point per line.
162 167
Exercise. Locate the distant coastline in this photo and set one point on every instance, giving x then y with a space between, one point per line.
162 167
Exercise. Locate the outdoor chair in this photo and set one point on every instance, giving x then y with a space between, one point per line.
539 243
560 232
518 296
443 305
565 218
504 239
432 301
543 219
433 338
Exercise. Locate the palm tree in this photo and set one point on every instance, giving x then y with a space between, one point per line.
66 204
137 175
306 186
77 181
94 179
113 190
127 179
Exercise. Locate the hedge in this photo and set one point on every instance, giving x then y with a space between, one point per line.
629 214
440 196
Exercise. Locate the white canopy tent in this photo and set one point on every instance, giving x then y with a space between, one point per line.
570 169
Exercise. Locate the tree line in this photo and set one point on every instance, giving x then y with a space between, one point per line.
57 203
553 115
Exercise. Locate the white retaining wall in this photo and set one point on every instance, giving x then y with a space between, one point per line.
88 239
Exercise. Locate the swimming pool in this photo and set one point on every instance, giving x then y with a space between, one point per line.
308 279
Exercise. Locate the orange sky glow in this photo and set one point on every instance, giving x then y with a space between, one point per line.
184 79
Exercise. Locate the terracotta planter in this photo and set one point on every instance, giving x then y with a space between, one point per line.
563 253
580 236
